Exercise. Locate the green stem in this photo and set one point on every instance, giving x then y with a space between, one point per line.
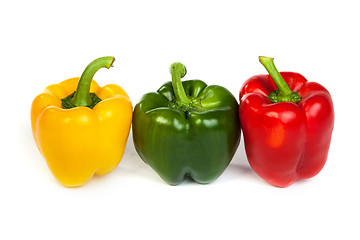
283 92
178 71
280 83
82 94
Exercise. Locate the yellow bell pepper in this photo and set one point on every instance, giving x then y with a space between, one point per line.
78 133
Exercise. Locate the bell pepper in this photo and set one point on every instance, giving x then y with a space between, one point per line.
186 129
81 133
287 125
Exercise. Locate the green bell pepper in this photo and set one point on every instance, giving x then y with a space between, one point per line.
187 129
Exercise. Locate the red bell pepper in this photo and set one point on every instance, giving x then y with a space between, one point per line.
287 124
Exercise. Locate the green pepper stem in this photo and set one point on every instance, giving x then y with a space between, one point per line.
178 71
283 92
82 95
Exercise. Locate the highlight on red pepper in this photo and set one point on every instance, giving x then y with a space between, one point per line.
287 124
187 129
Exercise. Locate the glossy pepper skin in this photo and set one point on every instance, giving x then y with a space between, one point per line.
285 139
187 129
79 142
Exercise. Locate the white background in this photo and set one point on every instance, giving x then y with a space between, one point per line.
45 42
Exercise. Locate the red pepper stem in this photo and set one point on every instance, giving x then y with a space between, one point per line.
268 63
178 71
283 92
82 94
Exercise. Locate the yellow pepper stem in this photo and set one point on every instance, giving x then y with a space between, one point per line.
82 95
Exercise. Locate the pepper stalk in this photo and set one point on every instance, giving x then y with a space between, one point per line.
178 71
82 96
283 92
